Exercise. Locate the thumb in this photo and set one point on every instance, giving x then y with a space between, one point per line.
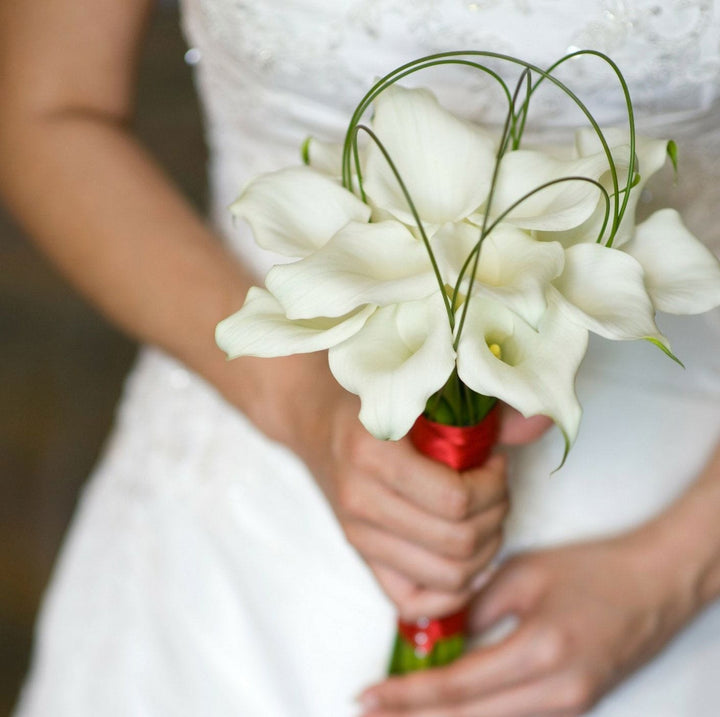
516 430
508 592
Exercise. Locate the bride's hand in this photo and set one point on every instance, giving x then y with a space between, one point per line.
425 530
588 615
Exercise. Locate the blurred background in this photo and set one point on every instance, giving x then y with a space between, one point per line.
62 366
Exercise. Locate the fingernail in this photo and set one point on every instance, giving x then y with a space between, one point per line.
480 580
484 577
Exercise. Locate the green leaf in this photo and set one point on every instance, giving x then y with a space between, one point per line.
664 349
672 151
566 452
305 150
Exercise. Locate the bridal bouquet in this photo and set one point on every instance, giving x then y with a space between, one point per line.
445 265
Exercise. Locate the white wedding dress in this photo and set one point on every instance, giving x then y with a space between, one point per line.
204 573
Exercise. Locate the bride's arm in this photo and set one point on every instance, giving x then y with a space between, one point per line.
87 192
101 209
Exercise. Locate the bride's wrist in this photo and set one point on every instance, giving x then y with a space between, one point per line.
294 400
669 569
681 558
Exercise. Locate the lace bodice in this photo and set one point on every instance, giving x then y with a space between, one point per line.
272 73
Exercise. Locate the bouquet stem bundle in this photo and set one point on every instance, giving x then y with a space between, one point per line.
435 642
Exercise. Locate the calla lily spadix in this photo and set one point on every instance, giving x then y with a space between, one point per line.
450 252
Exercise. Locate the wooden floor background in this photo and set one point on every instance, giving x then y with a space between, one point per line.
62 366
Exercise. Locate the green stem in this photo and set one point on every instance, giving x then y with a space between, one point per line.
452 58
475 254
391 78
486 230
631 126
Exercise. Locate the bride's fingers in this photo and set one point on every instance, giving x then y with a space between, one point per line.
416 563
515 589
372 502
557 695
515 429
413 601
520 658
429 485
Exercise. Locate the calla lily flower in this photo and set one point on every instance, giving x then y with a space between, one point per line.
261 328
323 157
513 268
650 154
534 371
682 276
445 162
558 207
401 357
380 263
603 289
296 210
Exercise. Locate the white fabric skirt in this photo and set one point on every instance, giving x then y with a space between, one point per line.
204 573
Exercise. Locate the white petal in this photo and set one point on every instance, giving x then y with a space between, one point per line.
445 162
603 290
296 210
362 264
260 328
324 157
682 275
395 363
651 155
513 268
558 207
536 371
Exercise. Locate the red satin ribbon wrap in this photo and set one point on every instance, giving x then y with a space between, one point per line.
423 634
461 448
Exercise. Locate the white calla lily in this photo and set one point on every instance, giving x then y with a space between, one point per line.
533 371
362 264
650 154
603 290
445 162
261 328
395 363
682 275
558 207
513 268
296 210
323 157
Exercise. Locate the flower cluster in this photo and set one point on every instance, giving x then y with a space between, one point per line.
400 309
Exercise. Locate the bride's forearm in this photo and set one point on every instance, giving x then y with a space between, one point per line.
685 541
101 209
